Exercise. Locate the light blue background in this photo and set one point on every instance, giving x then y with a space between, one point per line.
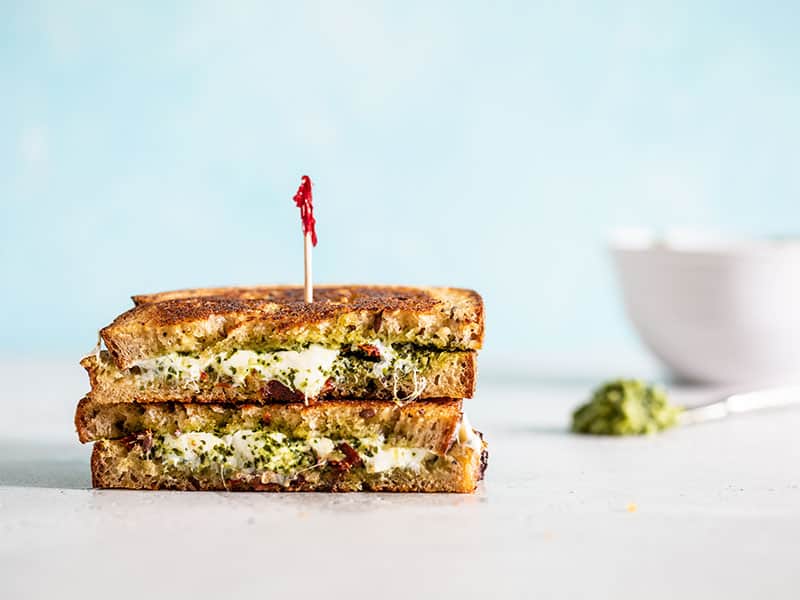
489 145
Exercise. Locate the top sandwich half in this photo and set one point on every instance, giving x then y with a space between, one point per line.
351 341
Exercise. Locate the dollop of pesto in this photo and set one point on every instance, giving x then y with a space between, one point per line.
626 407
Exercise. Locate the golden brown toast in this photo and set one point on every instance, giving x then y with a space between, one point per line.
277 318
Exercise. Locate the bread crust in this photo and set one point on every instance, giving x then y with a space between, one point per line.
389 297
277 316
115 465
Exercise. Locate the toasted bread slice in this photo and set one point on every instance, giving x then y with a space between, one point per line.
440 375
117 464
277 318
431 425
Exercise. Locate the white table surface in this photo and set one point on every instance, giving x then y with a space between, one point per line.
717 514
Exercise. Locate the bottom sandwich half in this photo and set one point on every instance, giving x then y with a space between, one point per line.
337 446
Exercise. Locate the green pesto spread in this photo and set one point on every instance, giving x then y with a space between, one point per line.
626 407
245 450
306 369
259 451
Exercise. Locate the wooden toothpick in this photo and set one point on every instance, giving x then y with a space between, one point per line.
304 201
308 281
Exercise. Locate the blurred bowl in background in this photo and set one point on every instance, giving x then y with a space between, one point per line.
714 309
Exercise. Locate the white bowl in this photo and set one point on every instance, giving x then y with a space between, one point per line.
712 309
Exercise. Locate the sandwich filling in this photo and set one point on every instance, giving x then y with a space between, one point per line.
307 370
249 450
278 458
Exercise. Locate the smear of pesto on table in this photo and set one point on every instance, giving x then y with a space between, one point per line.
626 407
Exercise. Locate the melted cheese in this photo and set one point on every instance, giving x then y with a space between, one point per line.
388 458
466 435
306 370
244 449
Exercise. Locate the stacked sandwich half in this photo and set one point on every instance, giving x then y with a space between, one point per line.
254 389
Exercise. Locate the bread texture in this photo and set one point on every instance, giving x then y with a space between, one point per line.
277 318
441 375
431 425
116 464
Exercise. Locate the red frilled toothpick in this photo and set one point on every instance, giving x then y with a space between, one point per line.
304 201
